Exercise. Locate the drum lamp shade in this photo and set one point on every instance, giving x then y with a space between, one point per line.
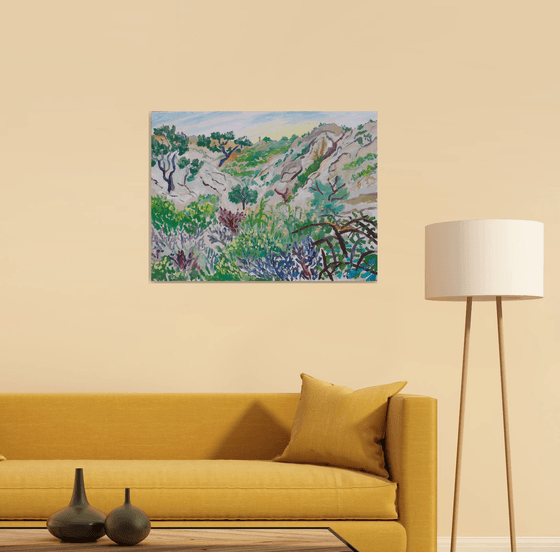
484 259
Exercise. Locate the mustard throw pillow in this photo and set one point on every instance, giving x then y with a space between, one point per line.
337 426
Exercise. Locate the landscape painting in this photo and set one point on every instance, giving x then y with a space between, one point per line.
264 196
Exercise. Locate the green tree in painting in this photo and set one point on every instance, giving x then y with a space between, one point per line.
167 145
243 194
218 141
192 168
328 197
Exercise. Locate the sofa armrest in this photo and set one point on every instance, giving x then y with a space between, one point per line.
411 453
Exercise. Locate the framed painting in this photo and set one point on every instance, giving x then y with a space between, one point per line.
264 196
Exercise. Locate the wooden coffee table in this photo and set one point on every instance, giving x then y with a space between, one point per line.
162 539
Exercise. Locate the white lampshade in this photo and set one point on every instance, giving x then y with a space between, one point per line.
484 259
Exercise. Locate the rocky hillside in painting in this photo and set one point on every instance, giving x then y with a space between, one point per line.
287 168
313 197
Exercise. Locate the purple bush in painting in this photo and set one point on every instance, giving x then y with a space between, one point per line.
230 219
302 262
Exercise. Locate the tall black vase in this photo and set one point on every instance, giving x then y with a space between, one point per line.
78 522
127 524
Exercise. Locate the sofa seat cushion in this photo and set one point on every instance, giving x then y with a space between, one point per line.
198 489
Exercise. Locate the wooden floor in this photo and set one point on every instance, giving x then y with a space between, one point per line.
191 540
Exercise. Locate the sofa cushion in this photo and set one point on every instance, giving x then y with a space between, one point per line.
198 489
338 426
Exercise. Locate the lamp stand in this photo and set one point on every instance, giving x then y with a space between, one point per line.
461 423
462 418
506 423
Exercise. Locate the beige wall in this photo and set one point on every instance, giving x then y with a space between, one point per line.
469 109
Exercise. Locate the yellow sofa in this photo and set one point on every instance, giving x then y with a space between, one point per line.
203 460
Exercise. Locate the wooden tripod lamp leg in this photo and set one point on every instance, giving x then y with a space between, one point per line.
506 424
461 422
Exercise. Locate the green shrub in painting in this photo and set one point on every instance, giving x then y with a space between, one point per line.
302 178
163 270
197 215
166 271
360 160
250 244
366 172
201 213
256 155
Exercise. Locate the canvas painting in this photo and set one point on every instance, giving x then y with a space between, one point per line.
264 196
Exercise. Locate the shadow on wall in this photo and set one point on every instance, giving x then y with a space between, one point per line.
245 440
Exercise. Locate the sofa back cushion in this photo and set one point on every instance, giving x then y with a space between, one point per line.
145 426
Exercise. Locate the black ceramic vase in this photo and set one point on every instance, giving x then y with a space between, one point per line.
78 522
127 524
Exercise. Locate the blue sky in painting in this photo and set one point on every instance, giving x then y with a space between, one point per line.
251 123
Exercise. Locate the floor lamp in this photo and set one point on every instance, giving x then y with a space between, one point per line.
484 260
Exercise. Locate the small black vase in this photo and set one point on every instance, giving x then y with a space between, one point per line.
78 522
127 524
